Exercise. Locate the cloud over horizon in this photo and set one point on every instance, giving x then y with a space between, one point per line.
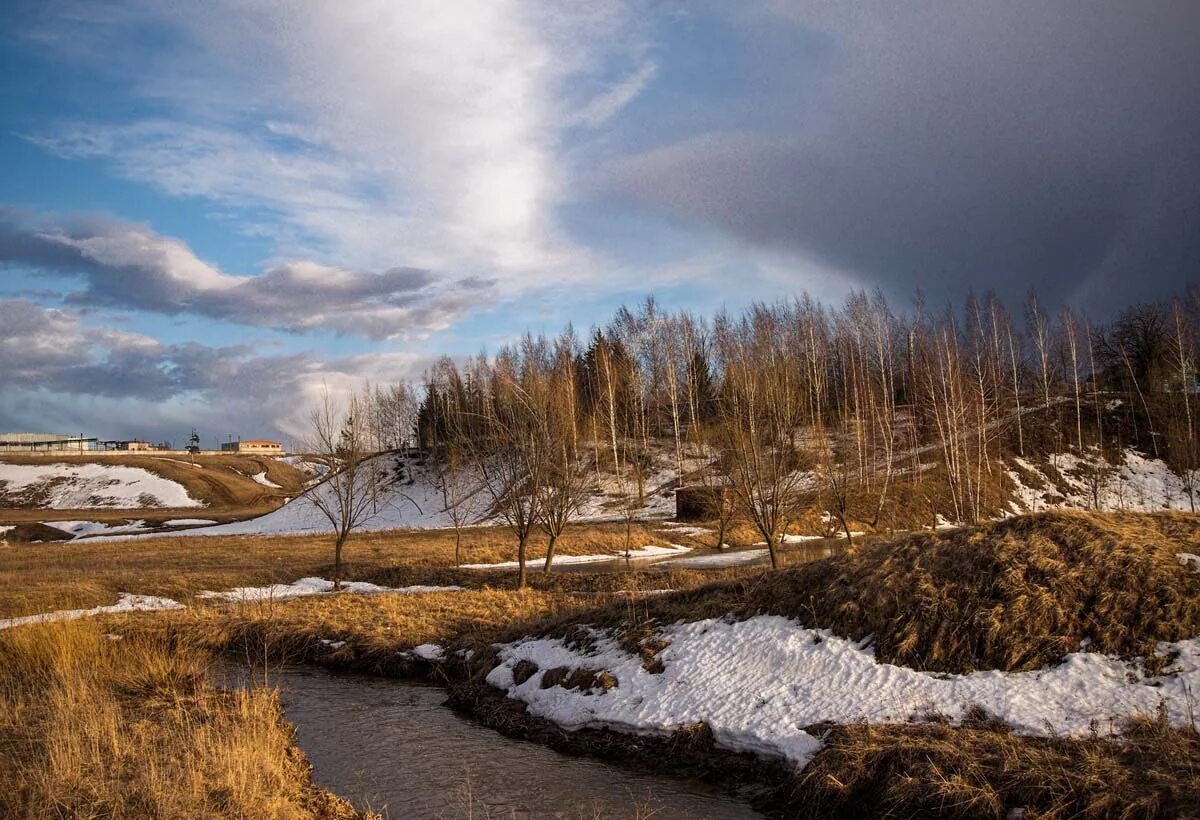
47 354
130 267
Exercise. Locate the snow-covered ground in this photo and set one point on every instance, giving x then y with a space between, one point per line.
188 522
417 504
126 602
758 683
90 486
314 586
1137 483
649 551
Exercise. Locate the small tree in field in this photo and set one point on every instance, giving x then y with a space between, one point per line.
359 484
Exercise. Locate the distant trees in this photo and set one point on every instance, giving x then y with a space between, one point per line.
793 405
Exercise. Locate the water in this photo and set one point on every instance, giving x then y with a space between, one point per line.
391 746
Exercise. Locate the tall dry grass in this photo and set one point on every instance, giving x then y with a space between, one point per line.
94 727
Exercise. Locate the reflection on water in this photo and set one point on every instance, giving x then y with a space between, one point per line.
392 746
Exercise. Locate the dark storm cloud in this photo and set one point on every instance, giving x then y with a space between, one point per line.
129 266
950 146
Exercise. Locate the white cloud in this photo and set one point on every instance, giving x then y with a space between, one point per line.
379 133
60 373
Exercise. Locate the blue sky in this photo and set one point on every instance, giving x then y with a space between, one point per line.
208 211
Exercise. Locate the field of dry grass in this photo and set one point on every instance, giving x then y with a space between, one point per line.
1014 594
93 727
45 577
222 482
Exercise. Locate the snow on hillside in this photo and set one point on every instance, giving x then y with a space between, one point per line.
417 504
88 486
758 683
1137 483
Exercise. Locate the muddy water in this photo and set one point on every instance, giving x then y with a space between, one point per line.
392 746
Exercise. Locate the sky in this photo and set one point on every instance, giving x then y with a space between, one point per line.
209 212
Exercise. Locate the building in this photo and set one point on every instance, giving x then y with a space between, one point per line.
45 443
253 446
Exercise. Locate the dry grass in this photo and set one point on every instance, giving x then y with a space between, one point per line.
1012 595
222 482
985 771
91 727
374 628
45 577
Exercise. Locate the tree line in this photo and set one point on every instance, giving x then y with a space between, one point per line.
784 400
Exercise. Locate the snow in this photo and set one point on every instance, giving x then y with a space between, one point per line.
7 528
82 529
429 652
721 559
1137 483
187 522
417 505
686 530
262 479
126 602
758 683
90 486
650 551
1189 559
314 586
314 469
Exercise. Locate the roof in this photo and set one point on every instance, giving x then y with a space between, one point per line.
260 441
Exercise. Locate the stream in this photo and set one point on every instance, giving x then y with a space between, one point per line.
393 747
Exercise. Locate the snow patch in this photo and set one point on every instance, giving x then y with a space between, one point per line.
686 530
314 586
188 522
723 559
262 479
649 551
90 486
1089 482
758 683
83 529
429 652
126 602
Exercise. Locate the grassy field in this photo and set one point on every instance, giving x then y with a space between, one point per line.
94 727
223 482
1012 595
45 577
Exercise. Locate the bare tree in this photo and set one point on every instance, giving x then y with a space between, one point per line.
509 450
761 414
567 480
359 483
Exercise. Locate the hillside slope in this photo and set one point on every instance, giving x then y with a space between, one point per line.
113 488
